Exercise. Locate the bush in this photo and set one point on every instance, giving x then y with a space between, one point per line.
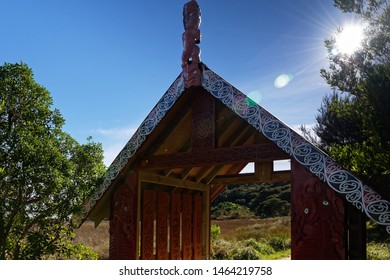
378 251
215 232
279 243
246 253
220 250
230 210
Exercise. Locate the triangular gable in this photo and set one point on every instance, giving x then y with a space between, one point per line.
316 161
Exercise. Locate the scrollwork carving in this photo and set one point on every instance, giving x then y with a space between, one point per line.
191 38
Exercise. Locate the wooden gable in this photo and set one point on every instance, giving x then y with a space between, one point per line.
165 149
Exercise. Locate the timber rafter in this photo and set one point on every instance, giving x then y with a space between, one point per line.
263 152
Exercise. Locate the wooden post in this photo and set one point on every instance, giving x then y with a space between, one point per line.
317 218
123 220
203 120
356 227
147 225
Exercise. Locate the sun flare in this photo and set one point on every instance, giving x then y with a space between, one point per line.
349 39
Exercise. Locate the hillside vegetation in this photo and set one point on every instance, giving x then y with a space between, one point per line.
255 200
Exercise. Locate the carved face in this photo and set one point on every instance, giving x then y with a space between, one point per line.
191 15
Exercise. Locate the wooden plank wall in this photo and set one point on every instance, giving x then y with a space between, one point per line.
171 226
147 225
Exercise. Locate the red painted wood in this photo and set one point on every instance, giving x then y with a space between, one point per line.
162 225
203 120
147 225
174 240
263 152
317 218
187 227
123 221
197 231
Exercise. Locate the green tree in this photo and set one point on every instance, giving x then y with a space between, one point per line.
45 175
353 122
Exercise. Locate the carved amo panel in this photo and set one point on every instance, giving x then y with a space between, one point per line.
317 218
123 217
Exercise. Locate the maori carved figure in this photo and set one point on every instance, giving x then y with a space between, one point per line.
317 218
122 225
191 37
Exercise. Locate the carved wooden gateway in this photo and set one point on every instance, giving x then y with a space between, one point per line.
195 142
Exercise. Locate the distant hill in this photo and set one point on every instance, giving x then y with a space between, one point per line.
252 200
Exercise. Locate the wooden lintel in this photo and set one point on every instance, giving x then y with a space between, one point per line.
277 176
170 181
264 152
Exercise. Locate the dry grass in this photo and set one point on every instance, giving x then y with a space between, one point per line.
253 228
240 229
96 238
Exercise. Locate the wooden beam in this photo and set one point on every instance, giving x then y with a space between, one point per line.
170 181
277 176
264 152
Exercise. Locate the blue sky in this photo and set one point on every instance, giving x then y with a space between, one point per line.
107 63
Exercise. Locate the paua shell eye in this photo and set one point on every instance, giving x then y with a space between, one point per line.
306 211
325 202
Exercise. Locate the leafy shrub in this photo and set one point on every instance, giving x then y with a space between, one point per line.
215 232
230 210
246 253
221 250
279 243
378 251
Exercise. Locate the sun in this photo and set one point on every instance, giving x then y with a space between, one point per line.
349 39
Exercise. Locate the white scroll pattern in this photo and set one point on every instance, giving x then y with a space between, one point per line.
343 182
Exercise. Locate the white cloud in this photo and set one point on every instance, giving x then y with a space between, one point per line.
113 140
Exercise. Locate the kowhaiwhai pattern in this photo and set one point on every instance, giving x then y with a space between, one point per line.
343 182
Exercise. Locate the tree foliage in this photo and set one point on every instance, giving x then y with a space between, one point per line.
45 175
263 200
353 122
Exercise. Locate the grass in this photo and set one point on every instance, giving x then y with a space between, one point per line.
267 239
240 239
96 238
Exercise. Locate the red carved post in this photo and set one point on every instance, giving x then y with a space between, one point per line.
123 221
147 225
191 37
317 218
203 121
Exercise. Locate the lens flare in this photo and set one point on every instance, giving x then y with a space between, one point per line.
254 97
283 80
